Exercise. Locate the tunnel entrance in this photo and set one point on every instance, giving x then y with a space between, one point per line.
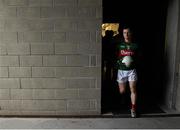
148 20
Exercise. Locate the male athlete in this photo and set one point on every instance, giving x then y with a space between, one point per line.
126 63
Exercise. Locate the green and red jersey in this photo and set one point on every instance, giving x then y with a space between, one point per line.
126 49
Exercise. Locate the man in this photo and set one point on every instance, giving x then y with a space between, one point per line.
126 63
107 55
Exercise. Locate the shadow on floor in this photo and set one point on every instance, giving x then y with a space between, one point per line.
113 105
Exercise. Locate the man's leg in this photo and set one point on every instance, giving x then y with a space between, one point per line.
132 85
122 80
122 88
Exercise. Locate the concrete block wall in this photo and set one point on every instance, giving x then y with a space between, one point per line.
50 57
172 57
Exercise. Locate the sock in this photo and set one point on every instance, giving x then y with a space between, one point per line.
133 106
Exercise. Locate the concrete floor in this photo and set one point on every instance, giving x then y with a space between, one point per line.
90 123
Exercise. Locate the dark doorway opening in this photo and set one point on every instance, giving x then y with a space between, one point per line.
148 20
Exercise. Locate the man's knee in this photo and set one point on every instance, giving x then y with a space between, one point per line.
133 87
133 90
122 88
122 91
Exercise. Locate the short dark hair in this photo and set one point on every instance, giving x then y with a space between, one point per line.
128 27
109 33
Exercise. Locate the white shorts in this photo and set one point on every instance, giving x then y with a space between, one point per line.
126 75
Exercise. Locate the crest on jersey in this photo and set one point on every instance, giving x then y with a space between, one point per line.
128 47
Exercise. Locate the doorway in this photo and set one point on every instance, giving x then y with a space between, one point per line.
148 20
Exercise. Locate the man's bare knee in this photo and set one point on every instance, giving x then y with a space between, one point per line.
122 88
133 90
122 91
132 87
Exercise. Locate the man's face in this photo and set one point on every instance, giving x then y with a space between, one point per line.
127 33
